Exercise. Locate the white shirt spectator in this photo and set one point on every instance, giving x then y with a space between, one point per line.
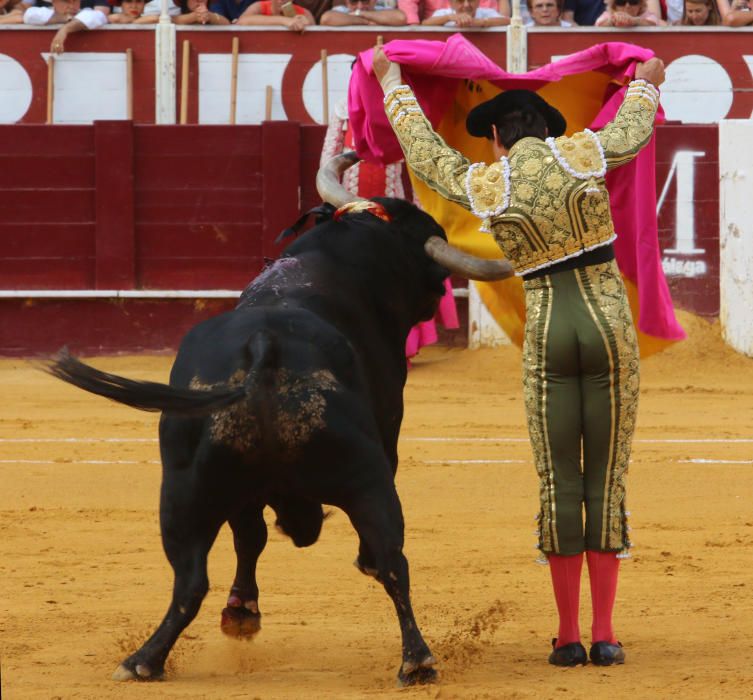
674 10
525 15
154 7
481 13
91 19
379 5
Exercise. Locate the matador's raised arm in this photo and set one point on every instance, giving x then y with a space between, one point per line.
442 168
632 126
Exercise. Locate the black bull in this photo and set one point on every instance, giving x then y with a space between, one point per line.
293 400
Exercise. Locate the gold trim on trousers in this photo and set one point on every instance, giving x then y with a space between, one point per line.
581 381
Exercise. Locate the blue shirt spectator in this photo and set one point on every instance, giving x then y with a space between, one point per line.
232 9
583 12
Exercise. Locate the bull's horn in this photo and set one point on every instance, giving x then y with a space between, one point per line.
467 265
328 180
331 190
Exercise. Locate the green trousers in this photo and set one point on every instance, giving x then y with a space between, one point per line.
581 381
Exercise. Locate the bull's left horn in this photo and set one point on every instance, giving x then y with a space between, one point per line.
467 265
328 180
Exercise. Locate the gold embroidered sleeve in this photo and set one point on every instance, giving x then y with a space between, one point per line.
442 168
632 126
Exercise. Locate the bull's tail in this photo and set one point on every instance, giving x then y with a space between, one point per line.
146 396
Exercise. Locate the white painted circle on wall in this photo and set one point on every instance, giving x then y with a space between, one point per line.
338 78
15 90
697 90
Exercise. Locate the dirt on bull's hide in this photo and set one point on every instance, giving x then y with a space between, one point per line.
83 579
294 412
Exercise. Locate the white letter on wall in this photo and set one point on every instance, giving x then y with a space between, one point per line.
683 165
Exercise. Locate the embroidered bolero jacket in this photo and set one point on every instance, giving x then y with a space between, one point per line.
546 201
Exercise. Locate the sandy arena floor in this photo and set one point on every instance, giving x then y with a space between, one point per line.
83 580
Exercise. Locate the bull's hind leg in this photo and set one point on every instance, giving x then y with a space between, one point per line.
241 618
365 561
191 514
378 519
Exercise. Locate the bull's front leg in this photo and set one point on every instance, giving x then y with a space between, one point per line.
241 617
378 519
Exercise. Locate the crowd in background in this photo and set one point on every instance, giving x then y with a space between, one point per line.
78 15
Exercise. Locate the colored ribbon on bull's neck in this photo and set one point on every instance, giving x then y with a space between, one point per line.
373 208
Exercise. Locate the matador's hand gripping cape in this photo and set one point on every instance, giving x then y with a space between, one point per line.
449 79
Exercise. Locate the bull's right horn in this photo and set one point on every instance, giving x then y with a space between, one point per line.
331 190
328 180
465 264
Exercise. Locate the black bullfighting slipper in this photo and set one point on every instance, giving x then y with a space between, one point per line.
606 654
573 654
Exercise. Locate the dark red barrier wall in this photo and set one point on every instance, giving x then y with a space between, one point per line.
118 206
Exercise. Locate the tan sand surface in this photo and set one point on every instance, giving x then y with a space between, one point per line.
83 580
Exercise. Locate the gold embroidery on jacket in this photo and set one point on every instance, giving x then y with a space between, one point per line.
551 213
581 152
487 188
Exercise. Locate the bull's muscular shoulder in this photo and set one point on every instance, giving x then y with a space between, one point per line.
488 188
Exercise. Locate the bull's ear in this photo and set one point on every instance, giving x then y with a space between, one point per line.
322 213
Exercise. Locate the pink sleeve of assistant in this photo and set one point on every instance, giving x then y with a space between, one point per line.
410 10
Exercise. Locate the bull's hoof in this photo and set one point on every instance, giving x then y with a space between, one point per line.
133 671
240 623
413 673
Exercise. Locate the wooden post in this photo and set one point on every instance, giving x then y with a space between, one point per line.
268 105
325 88
280 195
129 84
115 222
234 81
184 83
50 89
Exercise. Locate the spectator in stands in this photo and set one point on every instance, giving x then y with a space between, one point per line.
628 13
229 9
154 7
362 13
700 13
196 12
416 11
131 12
11 11
74 15
739 14
546 13
278 12
466 14
316 7
583 13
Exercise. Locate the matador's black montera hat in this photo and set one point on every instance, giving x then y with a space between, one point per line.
480 118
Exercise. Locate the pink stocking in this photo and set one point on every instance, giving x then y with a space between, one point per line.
603 568
566 583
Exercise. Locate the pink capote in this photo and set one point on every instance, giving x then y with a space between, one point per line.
433 69
425 333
